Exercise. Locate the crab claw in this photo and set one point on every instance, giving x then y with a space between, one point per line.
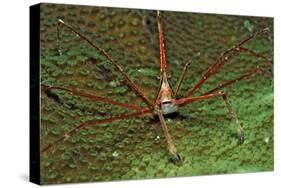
240 136
174 157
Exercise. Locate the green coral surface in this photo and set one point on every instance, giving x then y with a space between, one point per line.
203 132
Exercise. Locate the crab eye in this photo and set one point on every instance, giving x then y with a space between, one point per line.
169 75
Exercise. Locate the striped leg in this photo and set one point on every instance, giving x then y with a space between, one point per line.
129 82
224 57
187 100
92 123
91 97
174 156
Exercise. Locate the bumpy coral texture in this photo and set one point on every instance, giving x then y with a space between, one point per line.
203 132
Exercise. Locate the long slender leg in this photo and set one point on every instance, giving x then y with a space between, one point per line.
248 74
92 97
186 100
184 73
240 134
222 59
257 54
174 156
129 82
244 76
91 123
239 130
182 77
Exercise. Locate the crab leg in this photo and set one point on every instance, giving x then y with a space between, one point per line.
227 103
92 97
222 59
92 123
129 82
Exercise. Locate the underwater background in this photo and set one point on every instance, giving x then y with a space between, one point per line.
203 132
